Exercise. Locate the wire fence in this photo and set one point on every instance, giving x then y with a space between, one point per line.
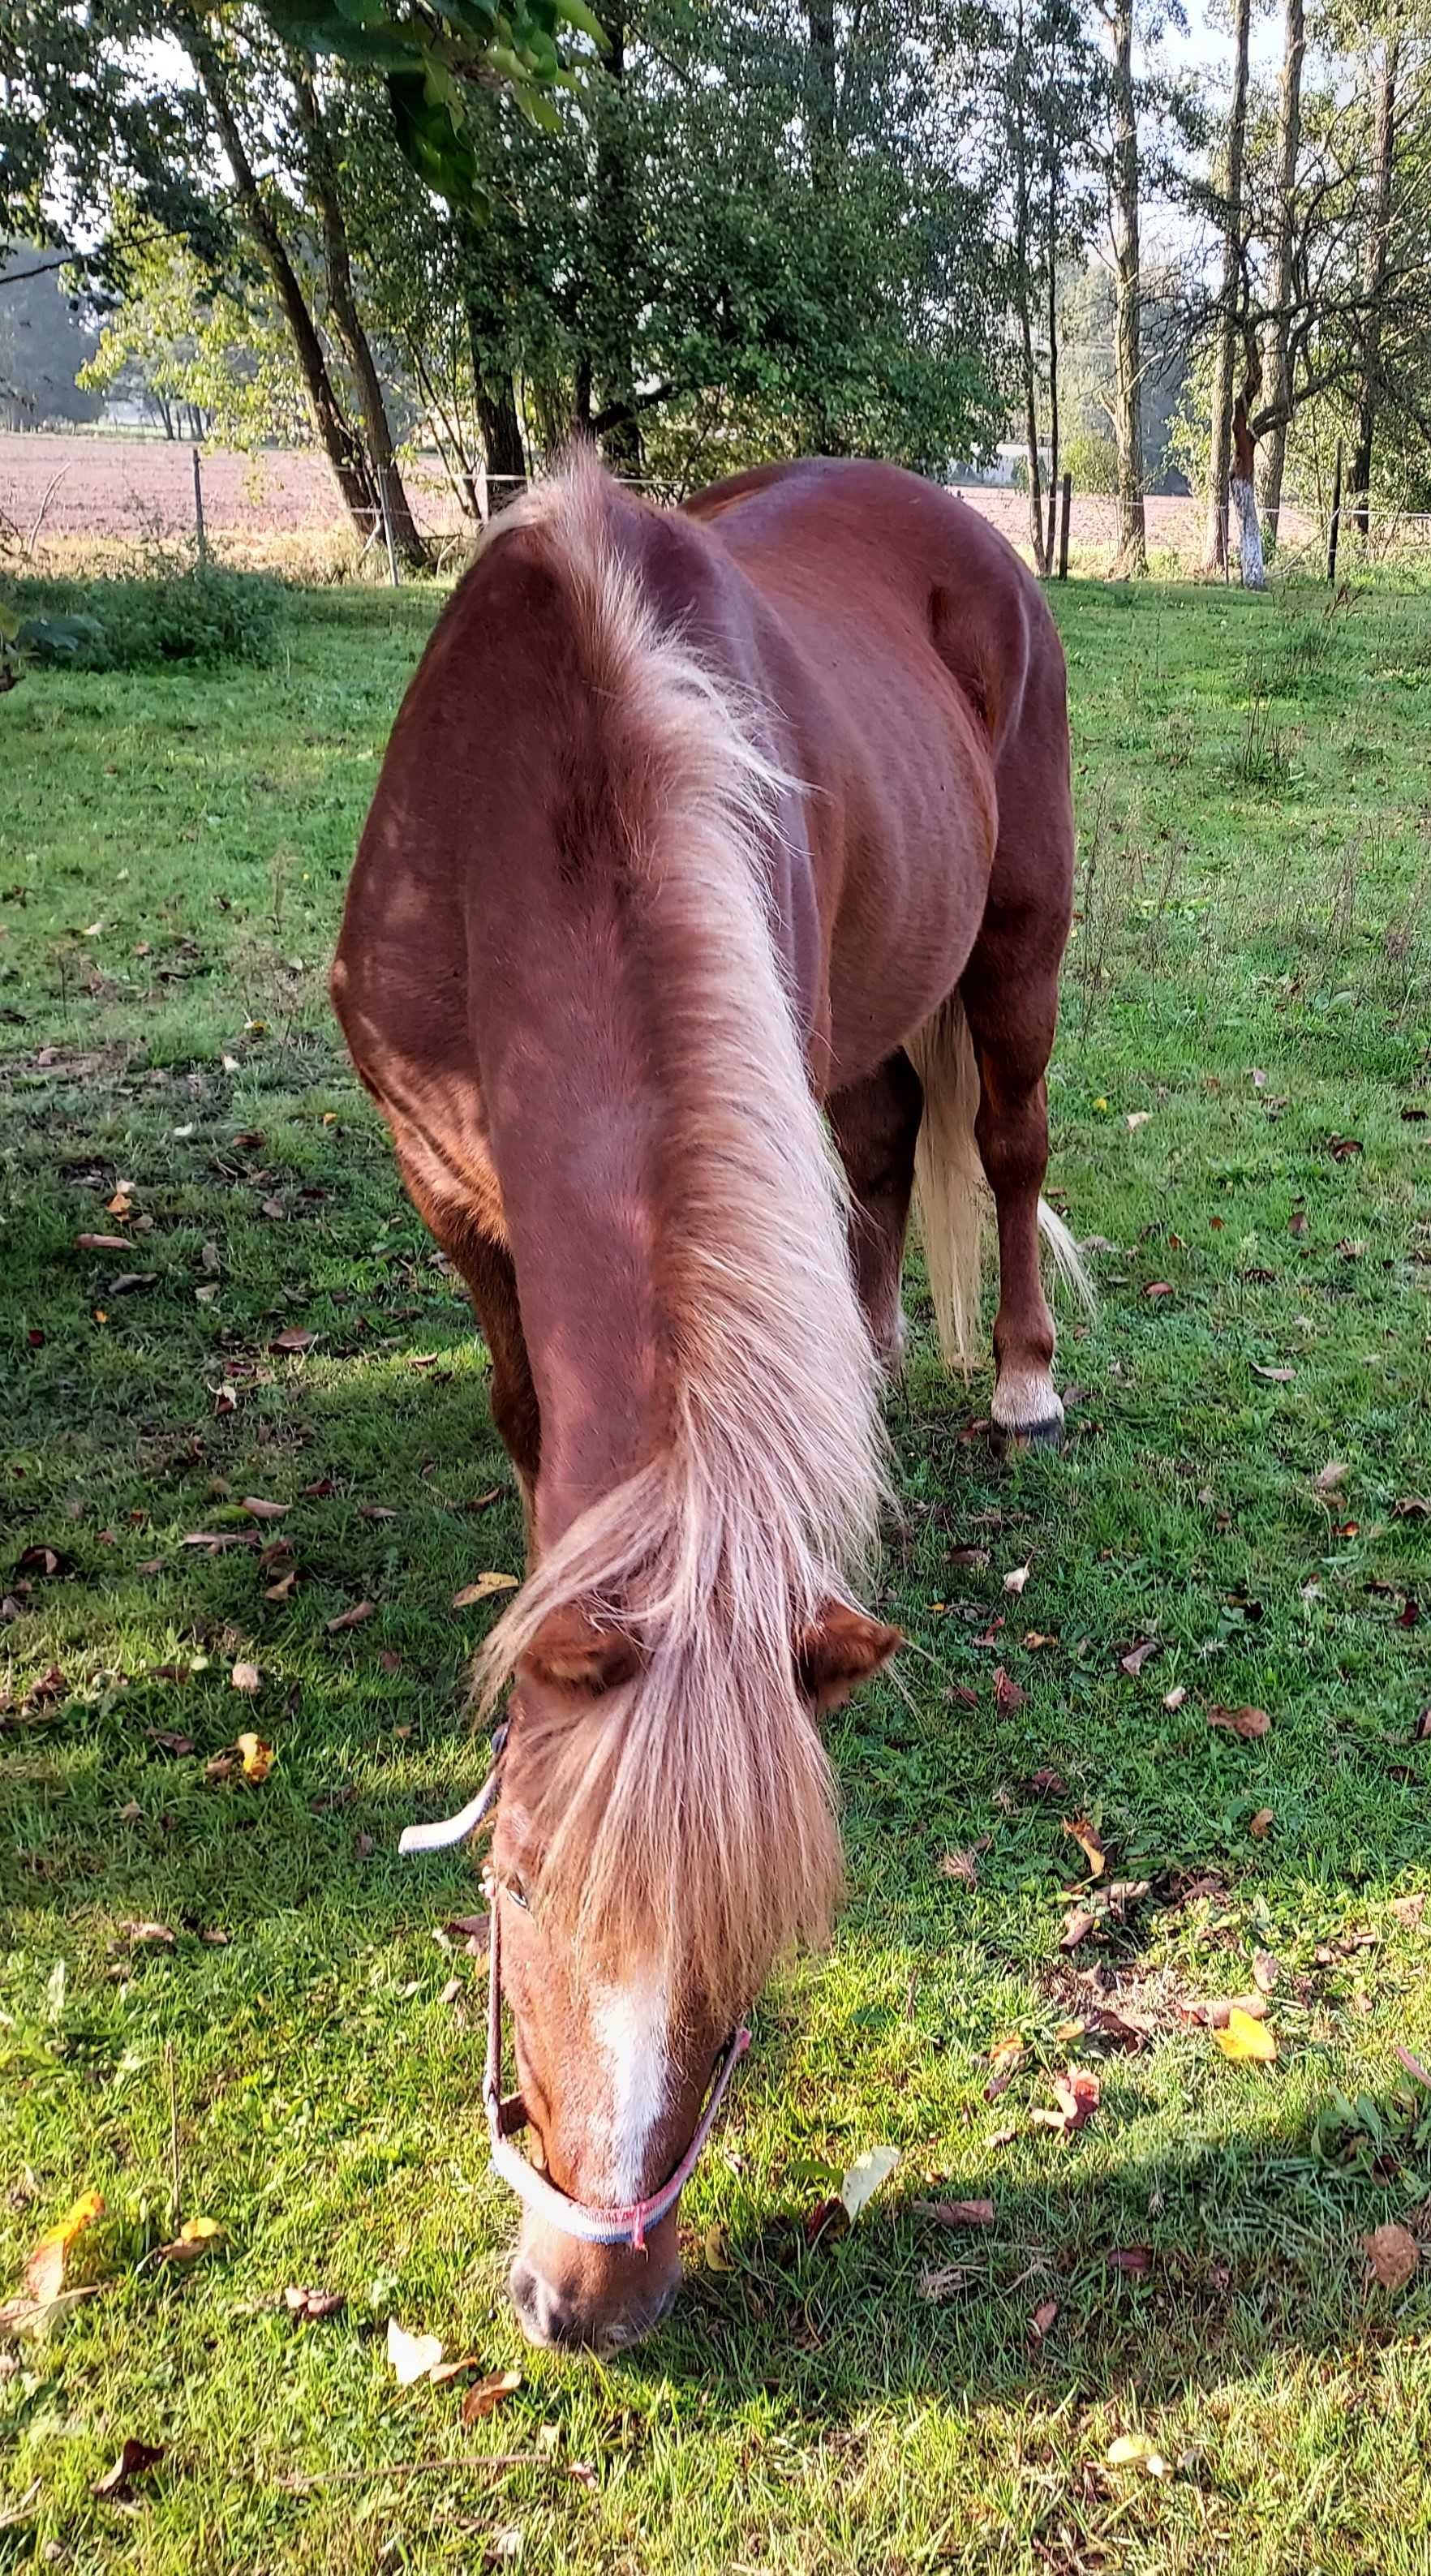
76 502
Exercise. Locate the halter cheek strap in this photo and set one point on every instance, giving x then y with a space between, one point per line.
507 2115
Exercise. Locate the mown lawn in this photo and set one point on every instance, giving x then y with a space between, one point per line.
1240 1105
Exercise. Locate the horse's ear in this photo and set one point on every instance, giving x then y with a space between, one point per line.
574 1649
842 1650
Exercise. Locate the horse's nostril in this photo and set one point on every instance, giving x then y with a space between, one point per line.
543 2314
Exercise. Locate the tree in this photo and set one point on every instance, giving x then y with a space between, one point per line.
1375 269
1289 144
1220 459
1124 188
1050 92
180 343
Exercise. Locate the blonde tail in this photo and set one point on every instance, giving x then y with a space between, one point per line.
951 1193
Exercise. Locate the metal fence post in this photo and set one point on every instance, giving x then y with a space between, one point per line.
1063 529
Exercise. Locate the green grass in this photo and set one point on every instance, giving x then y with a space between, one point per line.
1250 971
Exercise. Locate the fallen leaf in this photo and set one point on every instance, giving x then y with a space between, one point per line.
1077 2095
1215 2011
483 1589
504 2545
1275 1376
293 1339
1137 1656
1048 1784
127 1283
134 2458
256 1757
1043 2320
1173 1699
44 2276
376 1512
1244 2040
1135 2260
262 1511
489 2394
313 2304
1076 1927
197 2236
1393 2255
715 2246
865 2176
960 1865
1007 1694
1341 1148
1158 1288
1089 1843
101 1243
140 1936
1135 2451
1409 1910
974 1556
1246 1722
353 1618
1016 1578
1260 1825
1265 1971
1138 1118
956 2213
443 2371
1333 1474
412 2357
246 1677
940 2281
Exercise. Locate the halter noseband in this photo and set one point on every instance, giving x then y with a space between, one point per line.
506 2116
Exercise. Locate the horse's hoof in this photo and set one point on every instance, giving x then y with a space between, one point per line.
1027 1413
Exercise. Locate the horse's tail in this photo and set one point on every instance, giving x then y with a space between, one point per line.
950 1191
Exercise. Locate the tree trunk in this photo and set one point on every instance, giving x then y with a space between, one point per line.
617 242
1220 444
1051 547
1023 290
347 321
342 448
1289 137
501 430
1368 399
1132 555
1244 500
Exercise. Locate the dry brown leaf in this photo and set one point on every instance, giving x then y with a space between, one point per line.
1077 1924
311 2305
1173 1699
1089 1843
1392 2254
101 1243
1137 1656
353 1618
1135 2260
1329 1477
292 1341
956 2213
1043 2320
1007 1694
197 2236
246 1677
489 2394
1409 1910
961 1865
1265 1971
1246 1722
940 2281
134 2458
1275 1376
1077 2094
1260 1825
1017 1577
259 1510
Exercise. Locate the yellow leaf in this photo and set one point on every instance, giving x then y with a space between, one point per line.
1245 2039
412 2356
197 2236
489 2394
45 2270
256 1756
483 1589
717 2258
1135 2451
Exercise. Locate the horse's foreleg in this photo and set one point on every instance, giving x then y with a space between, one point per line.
486 1267
1011 1012
875 1123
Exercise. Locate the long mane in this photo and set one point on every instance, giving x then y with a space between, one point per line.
691 1812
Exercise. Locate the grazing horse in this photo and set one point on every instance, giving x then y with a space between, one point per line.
704 837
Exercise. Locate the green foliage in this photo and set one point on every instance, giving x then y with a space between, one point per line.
205 616
1092 460
177 337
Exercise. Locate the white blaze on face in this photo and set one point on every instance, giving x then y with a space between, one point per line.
630 2025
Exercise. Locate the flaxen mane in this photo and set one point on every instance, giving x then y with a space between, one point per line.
691 1812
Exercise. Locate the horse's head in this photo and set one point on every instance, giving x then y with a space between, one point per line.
652 1855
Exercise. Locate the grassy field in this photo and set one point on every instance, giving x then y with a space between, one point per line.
1240 1102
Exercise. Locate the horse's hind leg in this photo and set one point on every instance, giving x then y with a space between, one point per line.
875 1124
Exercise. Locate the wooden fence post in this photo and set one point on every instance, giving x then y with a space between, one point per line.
393 573
200 537
1334 531
1063 528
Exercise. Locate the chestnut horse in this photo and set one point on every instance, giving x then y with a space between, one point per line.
704 836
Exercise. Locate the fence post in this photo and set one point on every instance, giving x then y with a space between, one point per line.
200 537
394 574
1063 528
1334 531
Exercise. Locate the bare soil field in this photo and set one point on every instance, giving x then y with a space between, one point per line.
139 491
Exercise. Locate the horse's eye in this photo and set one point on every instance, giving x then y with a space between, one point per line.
518 1894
